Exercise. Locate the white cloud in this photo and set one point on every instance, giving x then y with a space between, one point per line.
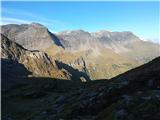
8 20
155 40
31 16
12 20
15 16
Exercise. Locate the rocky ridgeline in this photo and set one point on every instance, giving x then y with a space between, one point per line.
123 43
113 40
100 55
39 63
37 37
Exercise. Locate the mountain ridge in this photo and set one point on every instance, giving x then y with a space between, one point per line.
114 52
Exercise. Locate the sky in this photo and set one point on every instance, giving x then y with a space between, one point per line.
141 18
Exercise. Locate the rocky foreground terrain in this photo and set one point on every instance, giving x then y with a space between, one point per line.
134 95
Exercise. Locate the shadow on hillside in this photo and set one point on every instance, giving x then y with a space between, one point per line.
76 74
12 73
56 40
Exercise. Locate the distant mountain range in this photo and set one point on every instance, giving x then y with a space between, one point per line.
99 55
120 42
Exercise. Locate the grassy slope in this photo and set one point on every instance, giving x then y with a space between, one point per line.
103 64
143 51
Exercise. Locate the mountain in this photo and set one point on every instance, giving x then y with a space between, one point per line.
124 43
106 53
77 75
31 36
100 55
100 64
20 63
39 63
77 40
134 95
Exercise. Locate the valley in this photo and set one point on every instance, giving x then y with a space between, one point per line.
77 75
100 55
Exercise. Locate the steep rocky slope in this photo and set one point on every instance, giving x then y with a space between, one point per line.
16 59
134 95
37 62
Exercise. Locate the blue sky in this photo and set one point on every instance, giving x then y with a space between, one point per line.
142 18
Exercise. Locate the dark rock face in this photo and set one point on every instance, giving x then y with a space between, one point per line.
31 36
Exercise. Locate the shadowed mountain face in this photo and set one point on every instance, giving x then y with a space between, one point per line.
147 71
76 74
13 73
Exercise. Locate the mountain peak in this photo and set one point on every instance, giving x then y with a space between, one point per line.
37 25
32 36
78 31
